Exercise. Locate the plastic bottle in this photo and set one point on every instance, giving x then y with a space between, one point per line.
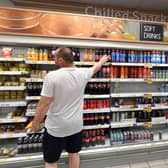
113 56
163 57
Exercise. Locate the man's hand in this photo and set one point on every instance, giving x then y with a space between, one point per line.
104 59
98 65
36 126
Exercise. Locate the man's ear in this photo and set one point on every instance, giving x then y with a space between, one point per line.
60 60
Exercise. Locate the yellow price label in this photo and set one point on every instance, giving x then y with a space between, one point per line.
148 96
1 121
118 80
134 94
16 120
118 95
99 126
148 109
4 161
148 124
119 148
145 145
149 81
2 72
10 135
29 158
35 62
119 109
129 125
148 65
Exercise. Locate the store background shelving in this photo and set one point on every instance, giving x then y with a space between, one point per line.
94 44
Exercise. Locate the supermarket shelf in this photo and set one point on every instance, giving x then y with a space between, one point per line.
13 72
139 64
32 97
91 80
115 109
40 62
12 87
12 59
34 80
96 126
89 151
138 80
12 120
139 94
102 110
155 121
12 103
100 80
122 125
96 96
77 42
11 135
30 113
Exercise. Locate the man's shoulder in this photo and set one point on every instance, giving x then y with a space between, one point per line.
52 73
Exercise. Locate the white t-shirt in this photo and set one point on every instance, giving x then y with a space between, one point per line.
66 87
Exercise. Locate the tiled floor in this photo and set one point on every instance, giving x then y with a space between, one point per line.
147 164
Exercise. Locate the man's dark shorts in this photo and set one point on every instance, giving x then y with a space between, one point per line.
53 146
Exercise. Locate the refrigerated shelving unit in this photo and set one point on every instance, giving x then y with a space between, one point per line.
108 152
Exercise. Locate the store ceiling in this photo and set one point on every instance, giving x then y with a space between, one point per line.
136 4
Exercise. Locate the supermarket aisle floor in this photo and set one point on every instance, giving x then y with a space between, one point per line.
148 164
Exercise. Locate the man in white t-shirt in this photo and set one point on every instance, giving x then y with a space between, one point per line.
62 101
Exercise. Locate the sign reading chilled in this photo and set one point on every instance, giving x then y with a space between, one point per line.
151 32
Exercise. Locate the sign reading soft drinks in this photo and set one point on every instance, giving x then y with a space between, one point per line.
151 32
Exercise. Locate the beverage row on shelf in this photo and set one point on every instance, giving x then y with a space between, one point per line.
137 72
139 116
139 101
30 144
132 56
97 88
132 135
128 116
115 55
34 89
97 118
96 104
93 138
130 72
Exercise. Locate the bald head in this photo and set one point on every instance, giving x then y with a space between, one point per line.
65 54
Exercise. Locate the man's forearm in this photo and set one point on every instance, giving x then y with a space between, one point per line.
41 111
98 65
